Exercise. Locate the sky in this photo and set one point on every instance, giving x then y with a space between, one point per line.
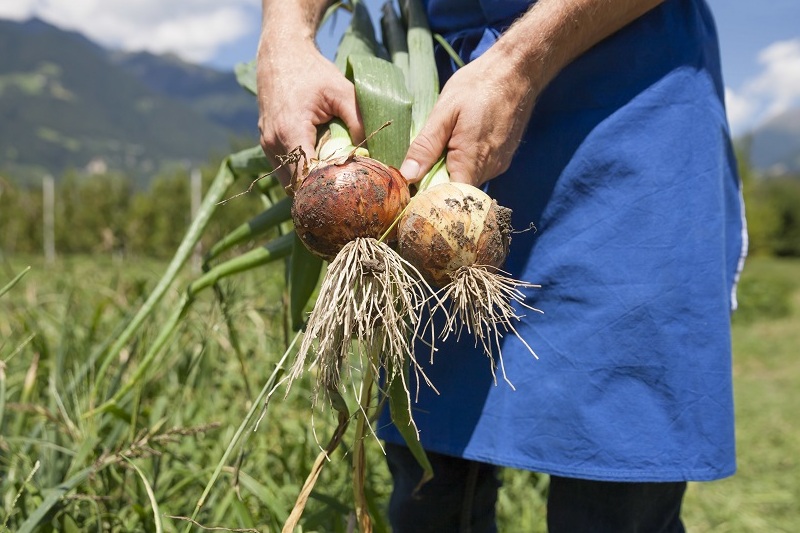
760 41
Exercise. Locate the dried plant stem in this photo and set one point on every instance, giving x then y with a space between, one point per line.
481 301
371 302
322 458
359 457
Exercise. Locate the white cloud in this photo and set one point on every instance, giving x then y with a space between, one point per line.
775 89
192 29
780 79
740 110
196 37
16 9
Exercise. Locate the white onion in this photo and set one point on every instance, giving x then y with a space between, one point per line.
453 225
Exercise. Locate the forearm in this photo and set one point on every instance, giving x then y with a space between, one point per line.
554 32
283 21
298 88
484 108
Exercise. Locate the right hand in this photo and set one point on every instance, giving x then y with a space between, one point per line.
298 90
479 120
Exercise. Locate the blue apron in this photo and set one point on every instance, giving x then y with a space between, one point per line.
628 175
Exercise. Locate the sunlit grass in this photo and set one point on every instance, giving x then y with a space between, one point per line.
764 493
179 421
176 424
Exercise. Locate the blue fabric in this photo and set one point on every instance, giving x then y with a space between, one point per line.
627 173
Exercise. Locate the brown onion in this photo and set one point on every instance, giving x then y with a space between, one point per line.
350 198
453 225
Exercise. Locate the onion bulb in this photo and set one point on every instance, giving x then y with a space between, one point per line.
453 225
350 198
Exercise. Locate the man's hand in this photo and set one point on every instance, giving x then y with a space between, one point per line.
298 88
479 118
484 108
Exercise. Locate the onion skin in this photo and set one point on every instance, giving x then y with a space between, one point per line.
347 199
453 225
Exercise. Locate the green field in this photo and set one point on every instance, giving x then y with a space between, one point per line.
145 464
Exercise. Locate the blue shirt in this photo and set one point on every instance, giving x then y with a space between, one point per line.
627 173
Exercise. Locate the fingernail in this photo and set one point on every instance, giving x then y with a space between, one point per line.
409 169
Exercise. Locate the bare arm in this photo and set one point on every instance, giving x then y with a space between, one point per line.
484 108
298 88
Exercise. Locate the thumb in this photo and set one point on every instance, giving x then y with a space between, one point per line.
428 146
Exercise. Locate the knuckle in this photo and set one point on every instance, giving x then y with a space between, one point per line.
503 166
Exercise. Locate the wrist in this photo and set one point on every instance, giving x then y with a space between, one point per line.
531 47
286 25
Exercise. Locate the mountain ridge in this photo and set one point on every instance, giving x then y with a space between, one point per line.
68 103
775 145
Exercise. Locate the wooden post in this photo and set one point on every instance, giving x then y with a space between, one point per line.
196 192
48 219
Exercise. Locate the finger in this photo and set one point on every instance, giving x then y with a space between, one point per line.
429 144
278 149
343 105
461 169
269 147
306 138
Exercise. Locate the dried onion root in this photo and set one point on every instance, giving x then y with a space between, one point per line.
481 301
368 311
371 299
371 302
458 237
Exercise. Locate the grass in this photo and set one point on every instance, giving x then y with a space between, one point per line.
764 493
175 426
150 460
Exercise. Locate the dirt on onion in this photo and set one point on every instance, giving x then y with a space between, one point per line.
450 226
349 198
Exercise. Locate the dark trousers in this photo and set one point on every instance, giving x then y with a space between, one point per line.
462 495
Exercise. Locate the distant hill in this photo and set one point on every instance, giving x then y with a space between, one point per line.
215 95
67 103
775 145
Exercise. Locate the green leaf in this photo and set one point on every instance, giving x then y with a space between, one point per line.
303 278
400 410
257 226
394 35
249 162
267 492
359 38
256 405
423 75
150 495
222 182
449 49
52 499
69 525
382 97
277 248
7 287
246 75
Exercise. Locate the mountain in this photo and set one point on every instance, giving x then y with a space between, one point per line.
67 103
775 145
214 94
